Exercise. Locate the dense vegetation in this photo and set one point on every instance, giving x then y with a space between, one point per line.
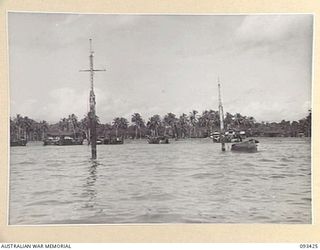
192 125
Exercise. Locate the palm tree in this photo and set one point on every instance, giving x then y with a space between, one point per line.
44 127
229 120
137 120
107 128
170 120
64 124
13 129
123 124
20 124
193 120
28 125
305 124
238 120
153 124
73 120
84 126
251 121
116 124
294 126
208 119
309 123
183 124
120 123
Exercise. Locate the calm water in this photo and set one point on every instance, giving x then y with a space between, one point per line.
188 181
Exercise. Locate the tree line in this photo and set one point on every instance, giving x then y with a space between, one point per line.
192 125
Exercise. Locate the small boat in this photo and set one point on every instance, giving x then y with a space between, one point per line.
19 142
249 146
235 139
215 136
67 141
51 141
113 141
158 140
229 136
62 141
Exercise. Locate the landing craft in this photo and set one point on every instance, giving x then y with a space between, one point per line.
249 146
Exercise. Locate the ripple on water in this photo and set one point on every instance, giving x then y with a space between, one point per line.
266 160
26 162
284 159
48 203
214 176
277 176
189 181
154 196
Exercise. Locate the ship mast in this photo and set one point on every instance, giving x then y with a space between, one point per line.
221 115
92 100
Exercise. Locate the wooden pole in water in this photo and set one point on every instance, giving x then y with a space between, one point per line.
92 101
221 115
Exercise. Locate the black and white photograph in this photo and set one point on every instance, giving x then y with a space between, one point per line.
160 118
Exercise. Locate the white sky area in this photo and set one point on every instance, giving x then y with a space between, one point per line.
160 63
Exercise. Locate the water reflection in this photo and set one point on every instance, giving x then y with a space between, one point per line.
90 190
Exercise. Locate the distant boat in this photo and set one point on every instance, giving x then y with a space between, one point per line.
249 146
62 141
113 141
18 142
51 141
229 136
158 140
67 140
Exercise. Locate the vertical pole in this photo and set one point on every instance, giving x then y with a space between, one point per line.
92 115
222 135
92 137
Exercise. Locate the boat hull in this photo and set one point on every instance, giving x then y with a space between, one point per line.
158 140
113 141
248 146
18 143
63 142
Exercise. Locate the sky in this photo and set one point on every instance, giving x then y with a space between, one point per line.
157 64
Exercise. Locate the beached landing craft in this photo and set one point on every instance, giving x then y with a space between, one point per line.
111 141
158 140
62 141
18 142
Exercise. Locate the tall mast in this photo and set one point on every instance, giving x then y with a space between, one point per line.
92 100
221 115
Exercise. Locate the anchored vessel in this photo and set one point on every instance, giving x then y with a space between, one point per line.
249 146
62 141
158 140
18 142
110 140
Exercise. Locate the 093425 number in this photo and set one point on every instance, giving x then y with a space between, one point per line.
308 246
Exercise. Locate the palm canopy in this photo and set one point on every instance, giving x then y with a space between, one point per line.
137 120
120 122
